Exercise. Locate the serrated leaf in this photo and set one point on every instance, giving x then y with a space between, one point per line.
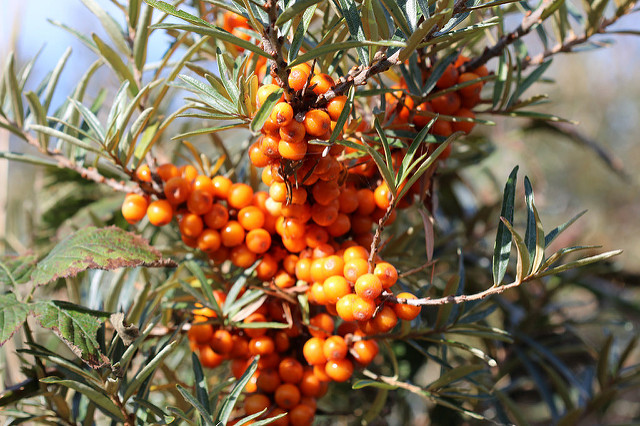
97 248
502 246
98 397
230 400
76 326
265 110
367 383
13 314
16 270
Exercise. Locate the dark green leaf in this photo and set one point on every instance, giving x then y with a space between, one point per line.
265 110
12 314
340 46
204 415
301 31
230 400
115 62
351 14
534 76
300 6
454 375
148 369
398 17
98 397
548 239
367 383
95 248
522 267
534 234
200 383
205 285
502 247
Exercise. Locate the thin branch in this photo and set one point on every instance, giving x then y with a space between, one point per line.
272 44
376 238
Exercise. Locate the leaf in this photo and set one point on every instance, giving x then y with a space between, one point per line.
90 119
110 25
398 16
67 138
300 6
200 383
522 267
230 400
171 10
197 404
208 95
40 115
454 375
148 369
14 91
115 61
76 326
97 248
98 397
580 262
204 284
367 383
340 46
548 239
603 369
142 37
265 110
351 14
534 76
502 247
343 117
534 234
53 80
13 314
16 270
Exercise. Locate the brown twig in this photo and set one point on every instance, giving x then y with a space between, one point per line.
376 238
272 44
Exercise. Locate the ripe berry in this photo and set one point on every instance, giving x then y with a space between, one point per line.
386 273
241 256
251 217
385 319
317 122
177 190
448 78
255 403
334 348
240 195
232 234
321 325
313 351
209 240
446 104
287 396
354 269
209 358
134 208
472 90
221 186
264 92
143 173
382 196
364 351
167 171
217 217
322 83
290 370
340 370
344 306
298 76
292 151
262 345
368 286
301 415
258 240
294 132
406 312
199 202
363 309
465 126
335 287
282 114
335 107
221 342
268 380
160 212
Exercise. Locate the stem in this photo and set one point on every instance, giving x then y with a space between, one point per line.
376 238
273 46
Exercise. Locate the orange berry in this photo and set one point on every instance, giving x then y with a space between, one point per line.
160 212
255 403
404 311
262 345
385 319
257 156
336 287
317 295
188 172
382 196
290 370
364 351
344 306
321 83
264 92
448 78
177 190
322 251
242 256
355 252
294 132
268 380
317 122
333 265
267 267
240 347
310 385
368 286
321 325
320 372
315 235
255 332
301 415
298 76
221 342
221 186
271 128
446 104
472 90
303 269
363 309
200 333
209 240
203 183
209 358
251 217
240 195
294 245
366 202
334 348
335 107
422 120
167 171
199 202
465 126
325 192
289 263
341 226
134 208
287 396
217 217
258 240
386 273
281 340
324 215
340 370
269 146
284 280
292 151
143 173
282 114
348 200
442 128
232 234
313 351
355 268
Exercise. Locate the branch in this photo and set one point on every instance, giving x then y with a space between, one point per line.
273 46
376 238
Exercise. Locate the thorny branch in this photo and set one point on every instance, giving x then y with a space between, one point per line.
273 46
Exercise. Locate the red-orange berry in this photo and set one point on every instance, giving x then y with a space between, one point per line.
134 207
287 396
242 256
340 370
363 309
143 173
386 273
404 311
167 171
313 351
160 212
209 240
177 190
217 217
290 370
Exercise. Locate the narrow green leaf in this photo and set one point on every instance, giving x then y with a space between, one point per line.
14 91
230 401
145 144
301 31
41 352
239 284
171 10
421 32
204 415
115 61
91 120
202 394
40 116
502 247
77 34
265 110
67 138
204 285
398 17
110 25
98 397
277 325
341 46
579 263
53 80
386 167
343 117
534 76
522 266
351 14
300 6
367 383
208 95
548 239
603 369
148 369
454 375
532 234
28 159
500 84
536 116
13 314
142 37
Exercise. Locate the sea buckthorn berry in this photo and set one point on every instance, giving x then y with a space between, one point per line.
368 286
333 265
298 76
310 385
255 403
361 224
242 256
282 114
209 240
354 269
294 245
217 217
232 234
251 217
293 133
271 128
363 309
385 319
315 235
292 151
134 207
321 83
160 212
284 280
267 177
269 146
240 365
334 348
240 195
203 183
264 92
321 325
366 202
335 107
287 396
262 345
301 212
348 200
301 415
340 370
177 190
289 263
325 192
143 173
364 351
282 341
341 226
221 342
446 104
200 333
209 358
290 370
386 273
471 90
344 306
199 202
303 269
421 120
268 380
316 294
336 287
448 78
382 196
355 252
324 215
317 122
167 171
323 250
313 351
221 186
320 373
293 228
188 172
442 128
257 157
465 126
404 311
258 240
